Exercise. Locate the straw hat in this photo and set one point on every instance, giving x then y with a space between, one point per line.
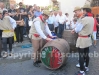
86 6
76 8
46 12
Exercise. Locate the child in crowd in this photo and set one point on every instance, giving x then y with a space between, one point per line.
73 23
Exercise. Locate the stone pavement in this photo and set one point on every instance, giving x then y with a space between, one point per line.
25 66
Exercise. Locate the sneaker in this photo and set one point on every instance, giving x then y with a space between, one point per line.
78 65
11 54
79 73
4 54
25 36
39 61
86 69
22 42
36 64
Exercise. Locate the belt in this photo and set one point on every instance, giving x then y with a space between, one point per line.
36 35
84 36
60 23
10 31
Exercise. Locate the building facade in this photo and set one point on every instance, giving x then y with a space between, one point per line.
67 6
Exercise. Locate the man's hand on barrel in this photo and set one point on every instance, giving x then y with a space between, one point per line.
49 39
73 31
53 36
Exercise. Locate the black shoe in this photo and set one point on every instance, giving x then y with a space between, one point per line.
10 54
39 61
36 64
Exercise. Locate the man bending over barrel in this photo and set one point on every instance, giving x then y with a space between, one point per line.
37 34
84 30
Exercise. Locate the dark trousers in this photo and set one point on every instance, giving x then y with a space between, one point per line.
25 29
65 26
19 33
28 29
61 29
0 46
56 30
83 57
51 27
9 41
97 31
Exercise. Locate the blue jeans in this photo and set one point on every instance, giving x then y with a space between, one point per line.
51 27
61 29
25 26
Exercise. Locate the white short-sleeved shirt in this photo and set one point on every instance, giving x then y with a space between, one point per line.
61 19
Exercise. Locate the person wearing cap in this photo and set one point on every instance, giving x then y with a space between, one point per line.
84 30
79 15
37 34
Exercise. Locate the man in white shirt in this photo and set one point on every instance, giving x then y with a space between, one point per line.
50 21
61 20
55 22
2 6
37 35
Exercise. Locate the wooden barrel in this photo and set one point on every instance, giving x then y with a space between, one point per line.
53 54
71 39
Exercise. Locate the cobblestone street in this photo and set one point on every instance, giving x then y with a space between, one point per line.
25 66
36 37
